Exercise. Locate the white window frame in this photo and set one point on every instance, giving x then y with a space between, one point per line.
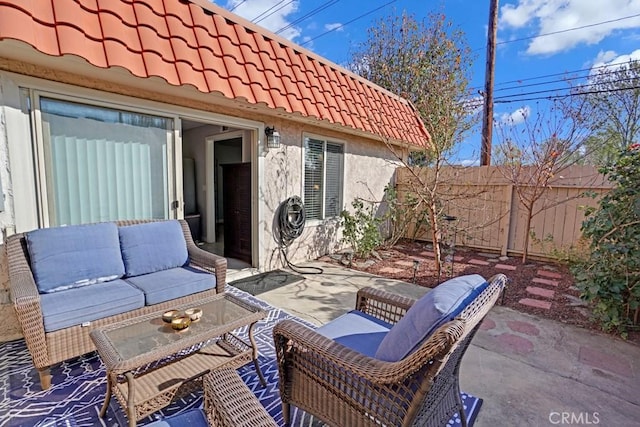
174 167
324 140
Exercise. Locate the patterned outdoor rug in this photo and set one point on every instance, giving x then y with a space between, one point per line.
79 385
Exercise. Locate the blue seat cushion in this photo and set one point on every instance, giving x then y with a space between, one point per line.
192 418
74 256
174 283
152 246
76 306
356 330
434 309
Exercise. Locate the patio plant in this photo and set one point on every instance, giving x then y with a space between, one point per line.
609 277
361 229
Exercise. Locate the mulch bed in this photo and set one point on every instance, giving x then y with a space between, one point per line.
399 262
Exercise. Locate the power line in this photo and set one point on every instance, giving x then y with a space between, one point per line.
565 30
236 6
558 32
347 23
552 97
261 15
571 29
549 82
308 15
473 89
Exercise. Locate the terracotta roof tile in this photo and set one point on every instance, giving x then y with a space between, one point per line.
197 43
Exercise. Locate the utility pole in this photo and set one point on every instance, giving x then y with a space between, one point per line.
487 115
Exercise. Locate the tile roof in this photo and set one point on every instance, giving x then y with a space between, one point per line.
197 43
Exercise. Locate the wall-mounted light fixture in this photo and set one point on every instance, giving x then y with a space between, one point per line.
273 137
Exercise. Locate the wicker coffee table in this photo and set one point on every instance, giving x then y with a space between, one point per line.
149 364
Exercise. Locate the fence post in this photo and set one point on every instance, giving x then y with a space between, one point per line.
506 230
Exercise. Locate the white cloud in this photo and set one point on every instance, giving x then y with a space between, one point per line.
516 117
610 58
549 16
336 26
604 57
270 14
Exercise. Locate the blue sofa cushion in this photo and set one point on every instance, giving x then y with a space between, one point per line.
193 418
73 256
434 309
174 283
152 246
356 330
73 307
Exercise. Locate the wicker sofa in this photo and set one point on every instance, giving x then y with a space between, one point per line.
339 373
161 267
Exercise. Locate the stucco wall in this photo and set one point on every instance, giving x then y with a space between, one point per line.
368 165
10 329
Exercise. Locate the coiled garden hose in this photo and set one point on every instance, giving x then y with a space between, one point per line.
291 220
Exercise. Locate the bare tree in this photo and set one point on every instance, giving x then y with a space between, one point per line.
613 94
428 62
534 150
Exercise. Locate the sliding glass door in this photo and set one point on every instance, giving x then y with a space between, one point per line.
103 164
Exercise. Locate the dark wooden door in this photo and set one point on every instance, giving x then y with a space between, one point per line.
236 201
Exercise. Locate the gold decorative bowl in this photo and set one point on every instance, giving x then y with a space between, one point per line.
180 322
194 313
168 316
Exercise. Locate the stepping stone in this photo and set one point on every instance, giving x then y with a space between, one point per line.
536 303
487 324
478 262
605 361
545 281
551 274
540 292
514 343
523 327
506 267
391 270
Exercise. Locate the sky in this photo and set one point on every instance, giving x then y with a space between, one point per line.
539 42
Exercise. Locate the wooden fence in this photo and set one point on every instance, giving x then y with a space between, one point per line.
490 216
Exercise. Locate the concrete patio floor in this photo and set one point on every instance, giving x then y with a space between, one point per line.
528 370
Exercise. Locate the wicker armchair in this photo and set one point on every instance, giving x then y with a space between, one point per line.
343 387
49 348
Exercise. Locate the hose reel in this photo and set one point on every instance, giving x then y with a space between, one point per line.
291 221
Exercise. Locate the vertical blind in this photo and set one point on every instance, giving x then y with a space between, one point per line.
323 172
103 165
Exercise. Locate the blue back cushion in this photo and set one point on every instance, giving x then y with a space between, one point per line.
437 307
153 246
74 256
357 330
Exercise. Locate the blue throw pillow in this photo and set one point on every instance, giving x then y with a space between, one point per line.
153 246
437 307
73 256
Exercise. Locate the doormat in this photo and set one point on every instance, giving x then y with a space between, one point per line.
264 282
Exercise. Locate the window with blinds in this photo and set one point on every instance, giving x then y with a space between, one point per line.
323 178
